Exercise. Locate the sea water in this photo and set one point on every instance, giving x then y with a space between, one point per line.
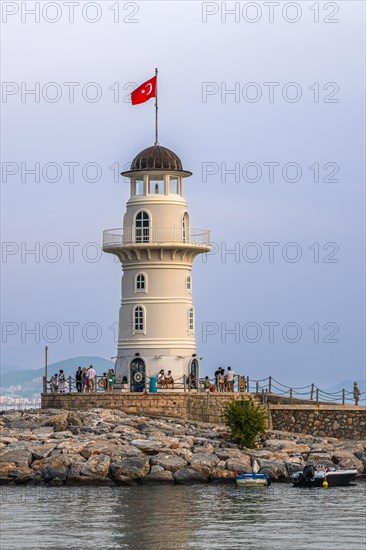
184 517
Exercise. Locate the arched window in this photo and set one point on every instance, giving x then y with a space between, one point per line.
140 282
188 284
142 227
191 319
185 228
139 319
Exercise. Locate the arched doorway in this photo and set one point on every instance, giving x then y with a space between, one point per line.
194 367
137 375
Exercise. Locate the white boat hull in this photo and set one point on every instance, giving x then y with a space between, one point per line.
252 482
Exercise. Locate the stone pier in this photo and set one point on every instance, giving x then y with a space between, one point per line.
327 420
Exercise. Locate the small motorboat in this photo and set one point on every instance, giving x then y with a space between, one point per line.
320 476
253 480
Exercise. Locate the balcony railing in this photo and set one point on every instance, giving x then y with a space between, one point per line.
125 236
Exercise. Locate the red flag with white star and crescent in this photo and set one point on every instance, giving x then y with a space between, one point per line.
144 92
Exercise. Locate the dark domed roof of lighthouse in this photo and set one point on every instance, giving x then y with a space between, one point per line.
156 158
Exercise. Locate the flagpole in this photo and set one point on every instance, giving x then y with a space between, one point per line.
156 108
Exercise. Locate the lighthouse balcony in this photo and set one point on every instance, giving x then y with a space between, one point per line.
128 237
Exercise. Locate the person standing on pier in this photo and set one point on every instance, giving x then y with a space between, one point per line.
91 374
356 393
79 379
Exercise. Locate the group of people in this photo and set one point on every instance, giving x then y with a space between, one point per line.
59 383
225 381
85 380
165 380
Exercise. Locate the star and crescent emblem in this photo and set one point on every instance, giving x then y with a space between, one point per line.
144 92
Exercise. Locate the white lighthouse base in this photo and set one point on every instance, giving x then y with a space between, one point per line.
135 370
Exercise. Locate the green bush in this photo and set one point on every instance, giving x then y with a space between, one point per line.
246 419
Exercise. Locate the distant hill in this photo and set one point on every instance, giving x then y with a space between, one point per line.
26 377
7 368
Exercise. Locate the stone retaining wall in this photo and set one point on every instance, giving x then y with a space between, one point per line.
342 421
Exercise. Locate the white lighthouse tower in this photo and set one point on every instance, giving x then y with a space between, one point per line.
156 247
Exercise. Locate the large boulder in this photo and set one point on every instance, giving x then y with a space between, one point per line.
44 432
96 466
5 469
276 469
22 474
99 447
55 472
18 456
147 446
205 460
159 476
294 464
241 464
226 453
58 421
41 450
133 467
188 476
219 474
361 455
347 461
170 462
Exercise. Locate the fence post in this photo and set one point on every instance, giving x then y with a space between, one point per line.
248 388
270 384
312 392
343 396
256 389
317 395
290 395
262 398
185 383
266 396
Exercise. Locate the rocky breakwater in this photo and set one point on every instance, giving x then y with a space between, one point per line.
104 447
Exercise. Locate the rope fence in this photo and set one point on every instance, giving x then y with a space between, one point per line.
262 388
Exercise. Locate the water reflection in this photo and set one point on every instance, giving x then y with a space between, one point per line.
203 517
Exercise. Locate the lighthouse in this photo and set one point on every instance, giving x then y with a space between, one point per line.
156 247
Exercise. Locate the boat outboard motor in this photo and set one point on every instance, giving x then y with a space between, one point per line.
308 473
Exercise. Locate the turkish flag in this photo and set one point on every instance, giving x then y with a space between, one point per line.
144 92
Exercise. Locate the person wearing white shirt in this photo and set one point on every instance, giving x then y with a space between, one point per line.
230 379
91 374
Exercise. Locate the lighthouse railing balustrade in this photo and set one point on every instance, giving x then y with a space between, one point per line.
159 235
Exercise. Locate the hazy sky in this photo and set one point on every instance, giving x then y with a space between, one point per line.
291 210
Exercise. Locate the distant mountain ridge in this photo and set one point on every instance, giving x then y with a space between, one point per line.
69 366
